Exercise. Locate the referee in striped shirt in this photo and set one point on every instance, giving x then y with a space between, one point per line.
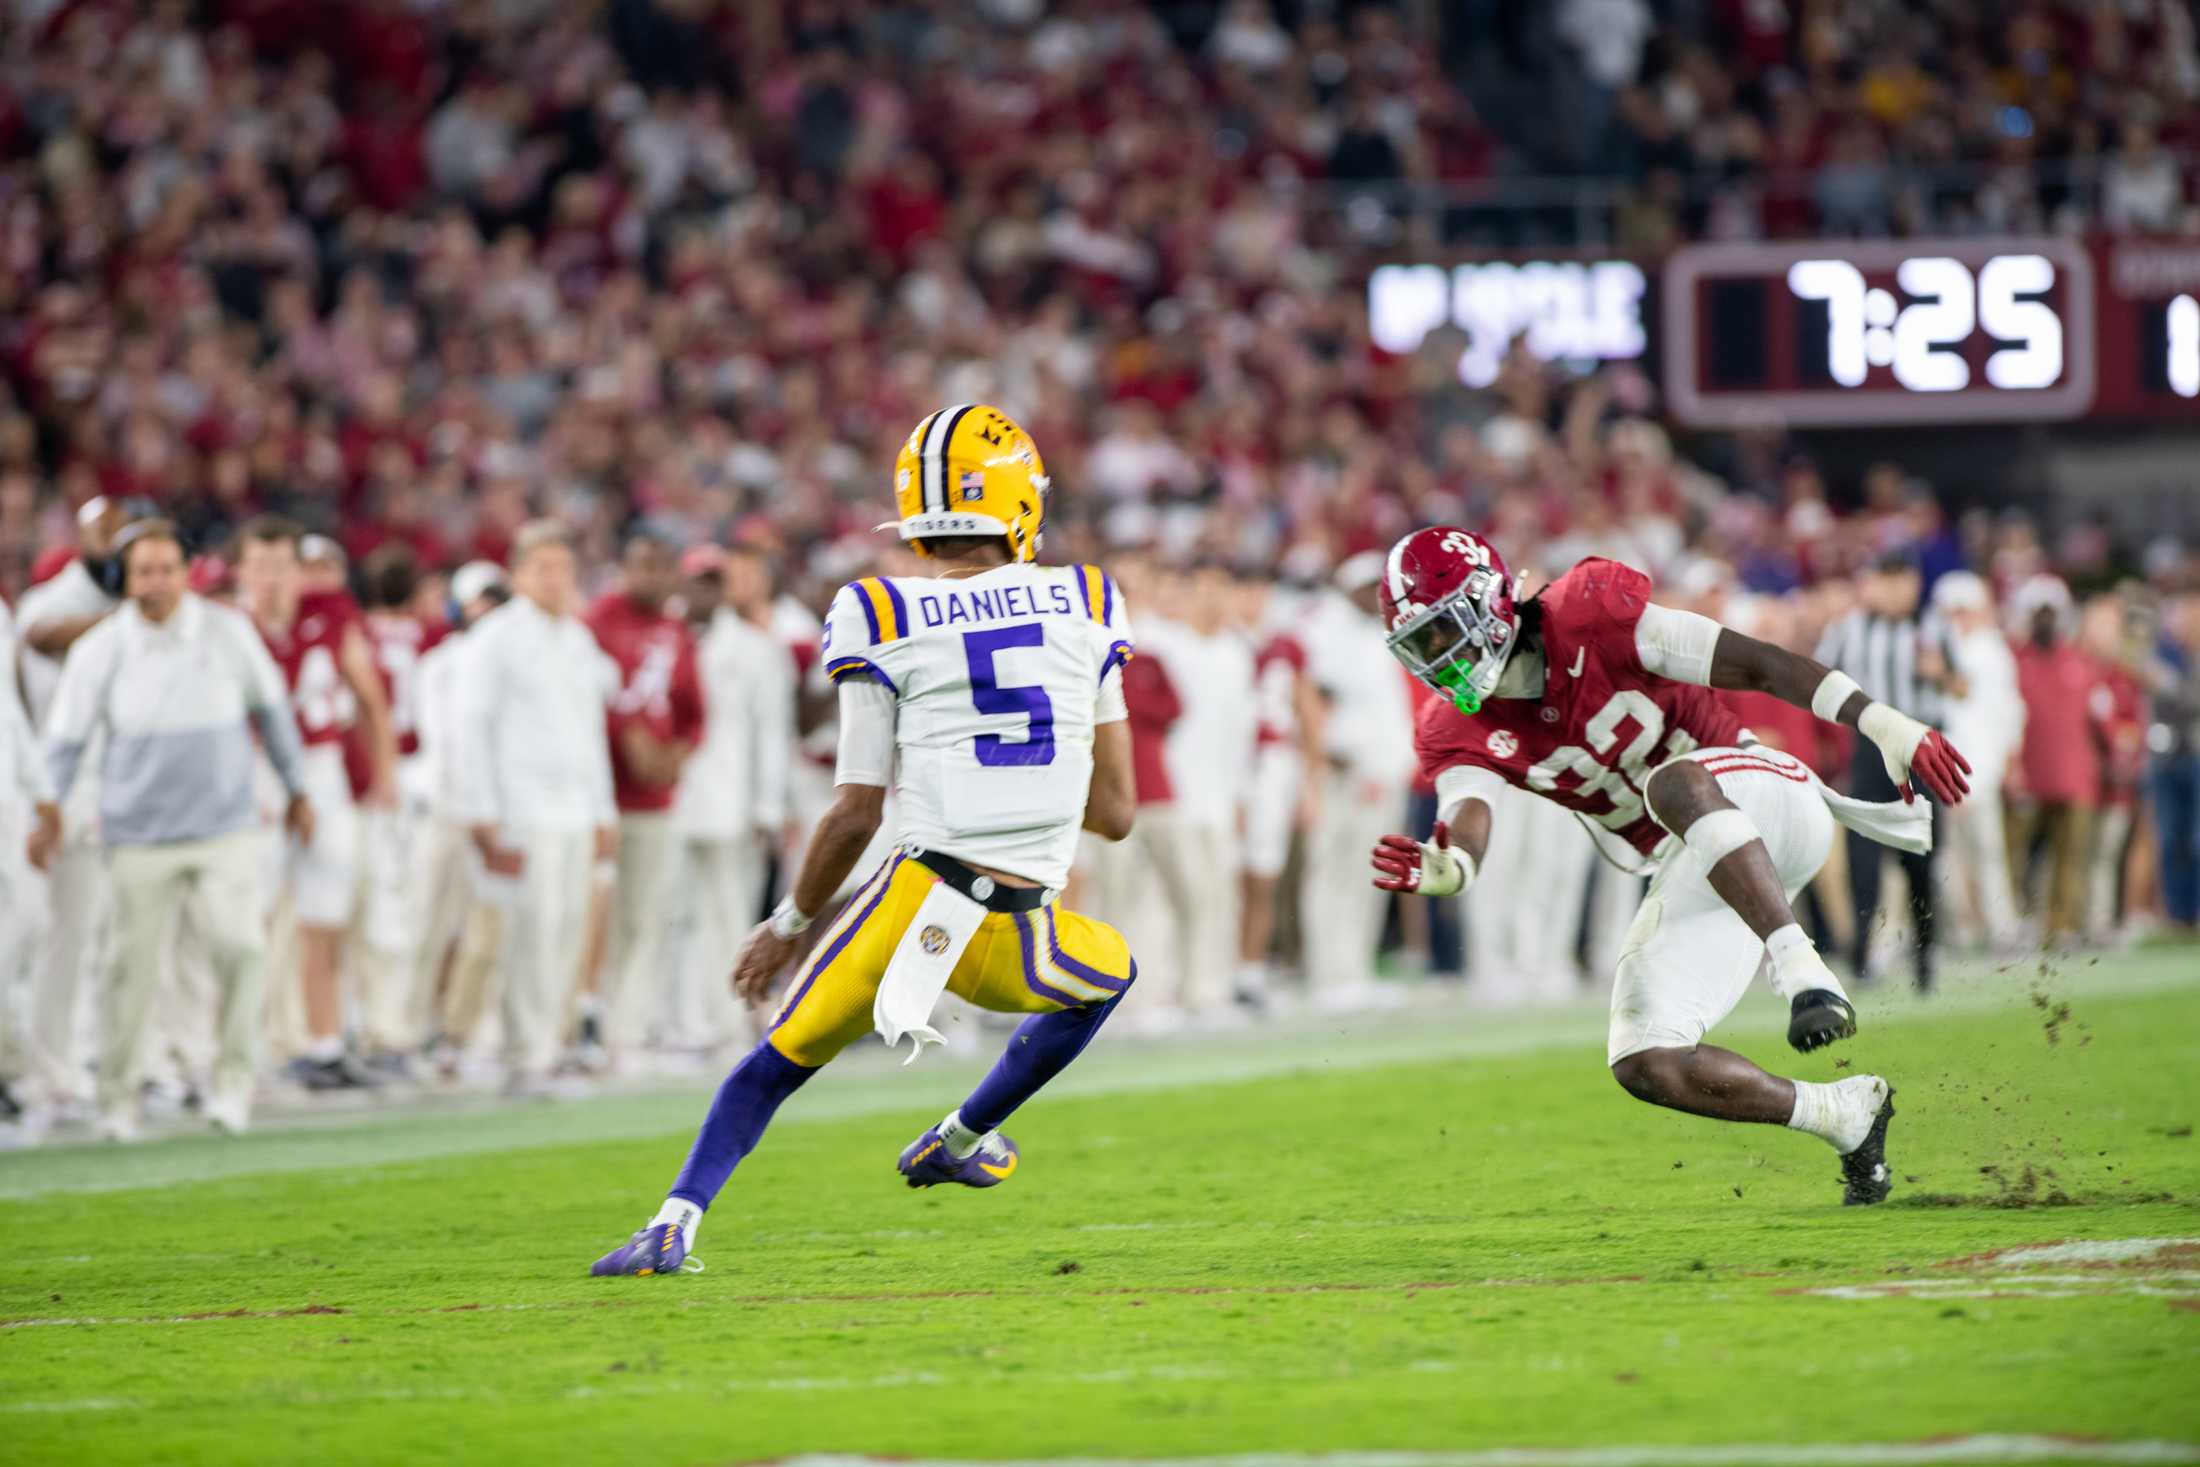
1898 660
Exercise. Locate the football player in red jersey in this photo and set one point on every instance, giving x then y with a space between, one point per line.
316 640
1591 695
654 724
395 987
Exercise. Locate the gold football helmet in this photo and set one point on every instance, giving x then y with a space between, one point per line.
969 470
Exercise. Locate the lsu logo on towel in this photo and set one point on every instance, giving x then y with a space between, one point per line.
933 939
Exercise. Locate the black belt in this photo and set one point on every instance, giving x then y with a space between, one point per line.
994 896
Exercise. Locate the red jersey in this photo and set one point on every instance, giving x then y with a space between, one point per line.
2061 758
1154 709
659 688
398 642
2120 713
1603 722
308 652
1277 668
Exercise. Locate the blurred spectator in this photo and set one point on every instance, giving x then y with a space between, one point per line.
179 686
2057 778
2113 640
1984 717
1367 732
1882 644
1210 759
534 788
732 807
2173 744
655 723
463 932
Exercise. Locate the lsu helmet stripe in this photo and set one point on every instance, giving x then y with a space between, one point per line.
920 438
934 458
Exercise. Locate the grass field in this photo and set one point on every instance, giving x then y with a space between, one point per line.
1444 1231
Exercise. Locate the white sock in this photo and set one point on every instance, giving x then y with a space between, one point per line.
1839 1114
960 1139
685 1213
1796 965
326 1048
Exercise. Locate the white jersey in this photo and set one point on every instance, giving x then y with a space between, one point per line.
999 680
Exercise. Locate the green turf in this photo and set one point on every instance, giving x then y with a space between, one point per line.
1458 1249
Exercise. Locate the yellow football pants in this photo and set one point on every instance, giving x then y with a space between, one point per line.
1019 963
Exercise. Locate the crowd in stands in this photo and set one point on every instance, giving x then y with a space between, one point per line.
393 282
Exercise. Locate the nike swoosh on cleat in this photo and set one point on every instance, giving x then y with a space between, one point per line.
999 1172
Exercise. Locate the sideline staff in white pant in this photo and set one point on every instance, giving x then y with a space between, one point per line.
178 685
535 786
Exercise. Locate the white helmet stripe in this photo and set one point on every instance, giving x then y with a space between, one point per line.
1396 569
934 459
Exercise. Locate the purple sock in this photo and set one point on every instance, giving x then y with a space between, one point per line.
738 1116
1042 1046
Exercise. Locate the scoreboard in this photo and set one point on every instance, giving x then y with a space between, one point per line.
1842 333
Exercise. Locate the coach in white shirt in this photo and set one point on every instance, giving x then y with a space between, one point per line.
463 934
534 787
178 686
1210 760
733 793
1369 738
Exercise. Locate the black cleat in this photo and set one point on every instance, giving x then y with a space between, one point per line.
340 1073
1864 1175
1819 1017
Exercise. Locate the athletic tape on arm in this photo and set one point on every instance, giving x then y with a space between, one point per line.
866 751
1834 692
1676 644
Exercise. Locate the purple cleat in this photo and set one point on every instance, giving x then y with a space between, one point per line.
926 1162
658 1248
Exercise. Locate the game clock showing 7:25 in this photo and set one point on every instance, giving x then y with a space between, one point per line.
1843 333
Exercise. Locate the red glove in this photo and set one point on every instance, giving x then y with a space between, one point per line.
1940 767
1429 867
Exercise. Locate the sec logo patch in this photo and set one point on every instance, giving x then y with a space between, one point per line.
933 940
1503 744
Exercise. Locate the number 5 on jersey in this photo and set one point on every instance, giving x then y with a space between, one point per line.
987 693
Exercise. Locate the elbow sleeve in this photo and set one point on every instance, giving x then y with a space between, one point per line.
1676 644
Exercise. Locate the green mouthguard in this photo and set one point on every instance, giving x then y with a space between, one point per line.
1457 679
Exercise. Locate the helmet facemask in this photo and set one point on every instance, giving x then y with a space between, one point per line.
1457 647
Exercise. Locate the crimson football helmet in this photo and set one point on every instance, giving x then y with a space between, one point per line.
1448 605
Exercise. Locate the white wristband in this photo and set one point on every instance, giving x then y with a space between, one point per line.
1833 695
1445 870
785 921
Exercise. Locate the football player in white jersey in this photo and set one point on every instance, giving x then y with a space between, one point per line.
996 686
